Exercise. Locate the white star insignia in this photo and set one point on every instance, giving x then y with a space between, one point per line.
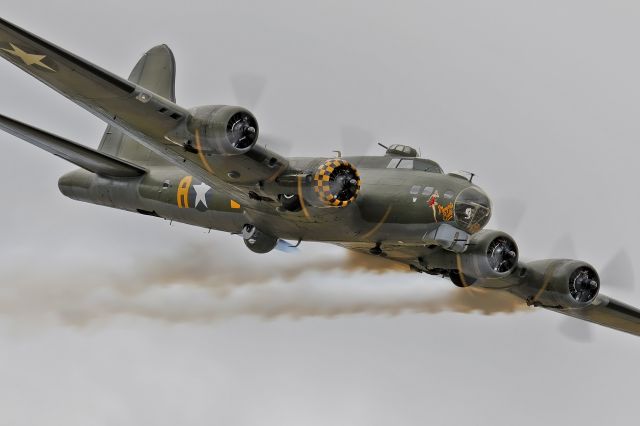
28 58
201 194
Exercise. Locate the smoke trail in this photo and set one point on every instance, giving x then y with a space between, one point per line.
194 285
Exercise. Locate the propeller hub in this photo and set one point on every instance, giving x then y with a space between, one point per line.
502 255
242 130
584 284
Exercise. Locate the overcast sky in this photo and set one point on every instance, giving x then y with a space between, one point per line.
111 318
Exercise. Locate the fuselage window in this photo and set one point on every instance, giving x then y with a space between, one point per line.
427 191
415 190
448 195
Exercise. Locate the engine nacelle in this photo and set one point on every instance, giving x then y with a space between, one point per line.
490 255
558 283
222 130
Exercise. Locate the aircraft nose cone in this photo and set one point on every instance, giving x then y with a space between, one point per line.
472 209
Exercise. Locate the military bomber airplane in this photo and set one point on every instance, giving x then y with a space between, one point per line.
203 166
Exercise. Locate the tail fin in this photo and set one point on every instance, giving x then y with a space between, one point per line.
155 71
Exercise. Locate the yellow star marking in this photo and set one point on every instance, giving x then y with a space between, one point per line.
28 58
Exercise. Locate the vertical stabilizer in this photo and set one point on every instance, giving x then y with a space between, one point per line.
155 71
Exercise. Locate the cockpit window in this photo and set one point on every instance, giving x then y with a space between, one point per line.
427 165
405 164
415 164
433 168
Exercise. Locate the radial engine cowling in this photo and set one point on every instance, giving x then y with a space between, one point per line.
328 183
490 255
559 283
222 130
336 183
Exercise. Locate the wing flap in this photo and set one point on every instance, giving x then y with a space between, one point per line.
75 153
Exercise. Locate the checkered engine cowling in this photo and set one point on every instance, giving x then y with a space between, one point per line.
336 183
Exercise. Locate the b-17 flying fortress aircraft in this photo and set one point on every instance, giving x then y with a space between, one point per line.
203 166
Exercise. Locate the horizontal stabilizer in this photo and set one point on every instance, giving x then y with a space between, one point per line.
87 158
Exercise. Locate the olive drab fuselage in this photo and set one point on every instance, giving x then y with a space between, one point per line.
393 204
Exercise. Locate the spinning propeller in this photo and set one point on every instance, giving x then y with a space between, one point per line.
248 89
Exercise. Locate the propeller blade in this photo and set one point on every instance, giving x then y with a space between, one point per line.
619 273
576 330
356 141
248 88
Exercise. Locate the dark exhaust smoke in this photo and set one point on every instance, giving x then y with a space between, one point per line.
194 284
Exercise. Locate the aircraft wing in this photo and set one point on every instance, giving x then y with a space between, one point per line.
87 158
604 310
145 116
609 313
104 94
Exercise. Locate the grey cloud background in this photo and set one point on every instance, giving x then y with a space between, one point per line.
540 99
